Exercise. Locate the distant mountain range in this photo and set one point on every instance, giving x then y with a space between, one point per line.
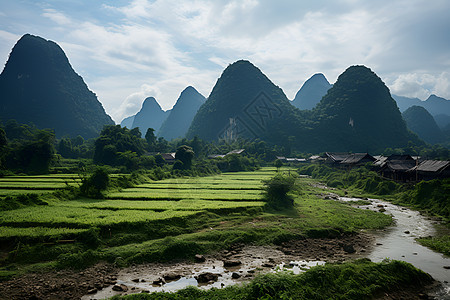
244 103
178 121
421 122
169 124
38 85
151 115
311 92
357 113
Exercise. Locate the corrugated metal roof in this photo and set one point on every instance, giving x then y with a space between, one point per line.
237 151
380 160
432 165
400 157
400 165
356 158
337 156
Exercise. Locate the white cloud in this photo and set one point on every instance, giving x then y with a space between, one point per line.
57 17
156 48
421 85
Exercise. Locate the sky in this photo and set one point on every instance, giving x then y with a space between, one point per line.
129 50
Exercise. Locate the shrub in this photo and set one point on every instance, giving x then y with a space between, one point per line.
277 189
95 184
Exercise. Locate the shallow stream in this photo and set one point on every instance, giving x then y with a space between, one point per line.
396 242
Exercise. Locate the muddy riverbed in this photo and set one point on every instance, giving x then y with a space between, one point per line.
242 263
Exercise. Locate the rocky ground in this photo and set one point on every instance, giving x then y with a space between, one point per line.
237 264
65 284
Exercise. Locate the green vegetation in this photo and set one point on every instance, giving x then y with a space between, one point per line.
438 243
137 230
360 180
277 189
432 196
361 279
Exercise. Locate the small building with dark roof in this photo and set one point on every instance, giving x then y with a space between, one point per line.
357 159
397 169
431 169
336 157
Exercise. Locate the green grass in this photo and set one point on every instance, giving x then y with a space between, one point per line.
174 194
34 232
438 243
161 205
54 216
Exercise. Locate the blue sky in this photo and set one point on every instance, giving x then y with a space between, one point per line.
129 50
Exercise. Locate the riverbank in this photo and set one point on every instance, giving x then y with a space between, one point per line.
236 265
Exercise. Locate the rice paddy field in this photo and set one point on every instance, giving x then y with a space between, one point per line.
159 220
145 203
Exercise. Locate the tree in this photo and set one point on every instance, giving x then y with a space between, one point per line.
278 164
65 148
277 189
185 154
114 139
3 139
95 184
151 139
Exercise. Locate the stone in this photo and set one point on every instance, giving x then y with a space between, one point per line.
231 263
447 267
120 288
135 280
235 275
407 231
207 277
267 265
349 248
171 276
92 291
160 281
199 258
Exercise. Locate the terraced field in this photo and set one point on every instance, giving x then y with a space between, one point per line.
155 200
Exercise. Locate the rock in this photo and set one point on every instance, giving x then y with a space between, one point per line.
171 276
135 280
120 288
407 231
207 277
92 291
267 265
199 258
423 296
415 253
160 281
251 271
231 263
381 210
447 267
235 275
348 248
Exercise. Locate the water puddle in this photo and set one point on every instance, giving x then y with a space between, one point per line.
254 260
